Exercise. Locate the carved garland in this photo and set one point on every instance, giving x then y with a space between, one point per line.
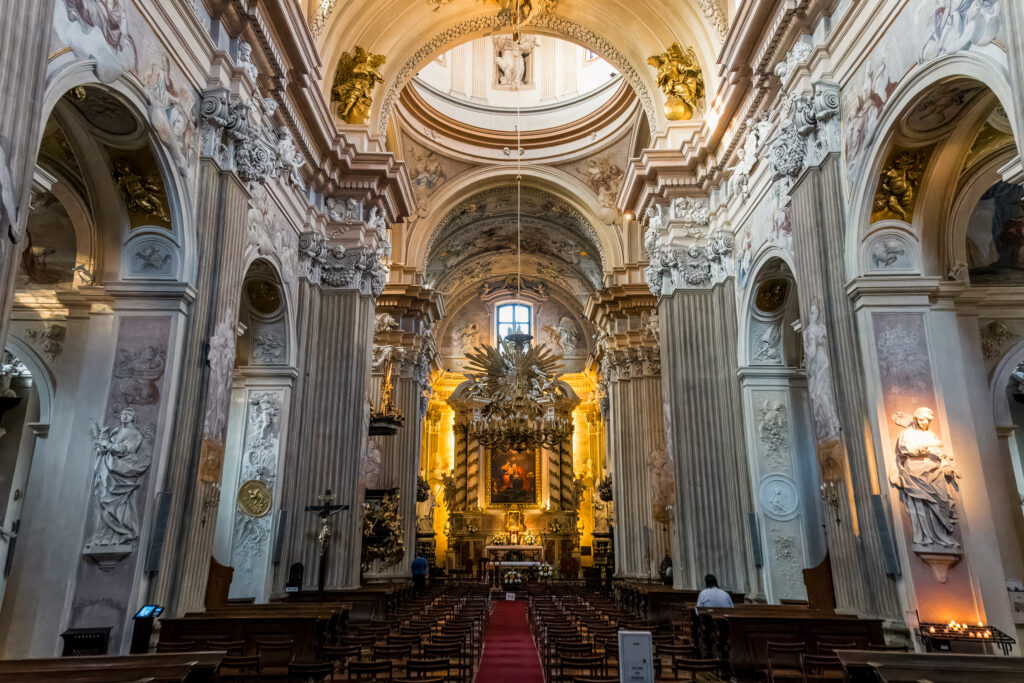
578 34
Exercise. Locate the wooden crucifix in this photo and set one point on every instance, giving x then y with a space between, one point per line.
325 510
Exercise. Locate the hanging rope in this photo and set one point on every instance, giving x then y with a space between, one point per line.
518 36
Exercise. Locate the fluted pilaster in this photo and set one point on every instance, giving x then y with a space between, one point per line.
635 433
704 429
328 431
858 569
24 44
221 211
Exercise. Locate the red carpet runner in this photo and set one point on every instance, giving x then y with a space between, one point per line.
510 655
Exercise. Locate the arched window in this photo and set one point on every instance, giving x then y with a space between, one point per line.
514 315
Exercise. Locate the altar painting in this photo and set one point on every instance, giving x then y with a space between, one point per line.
512 477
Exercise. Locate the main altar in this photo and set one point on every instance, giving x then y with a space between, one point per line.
513 495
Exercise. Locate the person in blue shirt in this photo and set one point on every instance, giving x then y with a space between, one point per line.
419 573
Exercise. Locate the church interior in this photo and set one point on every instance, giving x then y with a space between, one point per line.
543 341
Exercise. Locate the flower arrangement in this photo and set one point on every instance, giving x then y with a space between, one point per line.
554 527
528 539
472 527
499 539
512 577
545 571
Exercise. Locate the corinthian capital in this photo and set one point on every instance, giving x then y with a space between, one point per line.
810 135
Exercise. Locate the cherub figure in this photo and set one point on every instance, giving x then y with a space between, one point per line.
681 79
142 195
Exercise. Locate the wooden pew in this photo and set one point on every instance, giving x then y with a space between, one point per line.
740 636
656 603
370 603
890 667
190 667
310 626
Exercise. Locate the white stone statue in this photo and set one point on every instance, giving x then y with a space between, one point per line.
663 484
510 58
563 336
926 477
467 336
425 514
1017 379
245 60
221 359
121 463
344 211
289 160
378 223
819 377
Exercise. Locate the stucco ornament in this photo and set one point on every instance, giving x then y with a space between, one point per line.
926 475
681 79
121 462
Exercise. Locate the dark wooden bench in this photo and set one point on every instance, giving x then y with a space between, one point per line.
369 603
185 667
883 667
309 626
740 636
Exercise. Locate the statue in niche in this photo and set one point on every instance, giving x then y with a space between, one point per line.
768 344
425 513
510 57
121 463
819 376
448 487
926 477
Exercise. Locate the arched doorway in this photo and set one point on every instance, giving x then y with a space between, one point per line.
99 301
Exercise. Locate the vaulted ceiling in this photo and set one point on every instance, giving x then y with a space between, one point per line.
476 238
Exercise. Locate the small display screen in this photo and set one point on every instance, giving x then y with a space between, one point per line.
149 611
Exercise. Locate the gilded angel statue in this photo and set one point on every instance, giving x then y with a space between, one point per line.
680 78
354 80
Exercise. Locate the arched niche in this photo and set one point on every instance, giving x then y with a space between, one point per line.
780 446
253 474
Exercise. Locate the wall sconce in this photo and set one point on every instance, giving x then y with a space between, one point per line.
830 495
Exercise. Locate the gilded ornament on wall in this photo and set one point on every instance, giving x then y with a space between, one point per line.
898 185
771 294
354 80
254 498
681 79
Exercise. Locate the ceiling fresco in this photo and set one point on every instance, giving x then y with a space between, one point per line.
554 234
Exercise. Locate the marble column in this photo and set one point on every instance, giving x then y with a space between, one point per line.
636 441
819 238
197 452
24 46
330 409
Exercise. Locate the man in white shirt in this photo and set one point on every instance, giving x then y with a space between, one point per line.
713 596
